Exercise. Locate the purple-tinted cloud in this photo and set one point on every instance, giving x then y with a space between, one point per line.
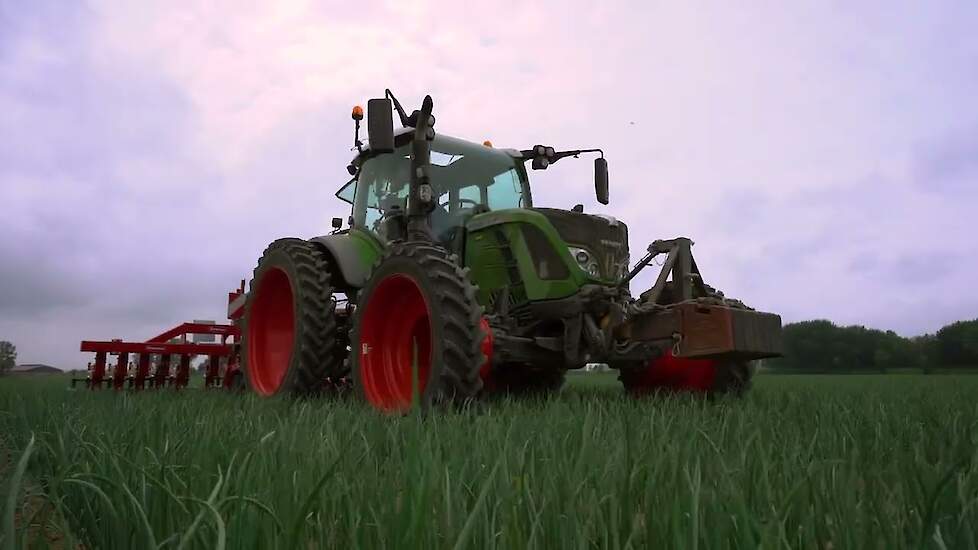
949 164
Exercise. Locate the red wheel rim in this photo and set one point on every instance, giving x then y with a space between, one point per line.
677 374
271 332
395 320
485 371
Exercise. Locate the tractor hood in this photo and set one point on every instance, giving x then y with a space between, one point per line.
603 236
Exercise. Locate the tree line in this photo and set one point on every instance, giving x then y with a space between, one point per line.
823 346
8 356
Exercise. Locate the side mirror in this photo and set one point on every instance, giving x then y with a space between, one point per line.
380 125
601 180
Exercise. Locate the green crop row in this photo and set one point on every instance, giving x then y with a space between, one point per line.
802 461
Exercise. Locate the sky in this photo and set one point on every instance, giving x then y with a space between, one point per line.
823 156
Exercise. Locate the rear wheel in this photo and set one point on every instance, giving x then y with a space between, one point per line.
417 330
733 378
289 324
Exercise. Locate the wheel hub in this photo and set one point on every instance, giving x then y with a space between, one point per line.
395 344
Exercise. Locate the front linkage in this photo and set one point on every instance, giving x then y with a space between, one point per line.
681 334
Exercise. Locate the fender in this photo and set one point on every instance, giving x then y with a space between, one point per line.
354 253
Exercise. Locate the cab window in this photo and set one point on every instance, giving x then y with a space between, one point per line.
467 178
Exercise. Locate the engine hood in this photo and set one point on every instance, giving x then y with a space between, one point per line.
603 236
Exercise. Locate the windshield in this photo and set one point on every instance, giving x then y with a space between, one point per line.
466 177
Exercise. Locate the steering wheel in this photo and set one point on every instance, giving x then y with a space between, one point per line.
474 203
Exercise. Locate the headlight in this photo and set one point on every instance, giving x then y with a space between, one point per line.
623 269
582 256
585 261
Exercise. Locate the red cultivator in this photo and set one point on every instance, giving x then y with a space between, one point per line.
164 360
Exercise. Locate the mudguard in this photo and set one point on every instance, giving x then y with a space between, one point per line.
353 253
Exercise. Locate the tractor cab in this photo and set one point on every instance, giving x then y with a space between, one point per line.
466 178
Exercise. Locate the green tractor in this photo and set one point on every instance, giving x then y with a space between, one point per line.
450 284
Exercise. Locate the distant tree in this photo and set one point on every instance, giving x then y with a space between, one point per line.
892 351
925 352
822 346
809 346
858 348
8 356
957 344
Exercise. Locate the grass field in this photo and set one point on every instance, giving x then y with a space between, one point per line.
803 461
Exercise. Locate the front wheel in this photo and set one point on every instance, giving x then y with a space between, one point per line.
417 331
677 374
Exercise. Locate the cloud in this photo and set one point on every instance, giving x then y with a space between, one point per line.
948 164
877 251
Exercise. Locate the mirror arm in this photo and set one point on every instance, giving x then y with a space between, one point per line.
397 106
565 154
530 154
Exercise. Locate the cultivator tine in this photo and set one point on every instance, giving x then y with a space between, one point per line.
142 371
212 376
98 371
120 371
231 370
162 371
183 372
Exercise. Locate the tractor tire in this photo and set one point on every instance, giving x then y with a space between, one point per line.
668 374
733 378
290 335
418 308
519 380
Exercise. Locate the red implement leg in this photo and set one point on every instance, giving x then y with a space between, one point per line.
142 371
230 371
213 372
98 371
183 372
121 371
162 371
